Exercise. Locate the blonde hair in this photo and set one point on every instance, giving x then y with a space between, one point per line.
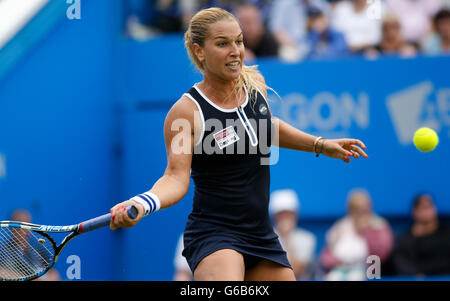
198 31
390 18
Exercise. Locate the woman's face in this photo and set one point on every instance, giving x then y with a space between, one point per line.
425 211
391 31
443 28
222 54
285 222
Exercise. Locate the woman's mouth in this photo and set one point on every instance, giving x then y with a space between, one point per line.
234 65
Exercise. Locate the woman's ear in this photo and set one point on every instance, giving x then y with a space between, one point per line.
198 51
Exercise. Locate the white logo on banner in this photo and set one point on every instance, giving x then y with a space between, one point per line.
412 108
2 166
325 112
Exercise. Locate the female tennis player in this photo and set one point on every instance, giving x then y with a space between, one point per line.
224 118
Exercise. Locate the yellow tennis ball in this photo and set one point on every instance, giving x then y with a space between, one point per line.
425 139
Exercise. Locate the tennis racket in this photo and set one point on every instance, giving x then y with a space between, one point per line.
27 251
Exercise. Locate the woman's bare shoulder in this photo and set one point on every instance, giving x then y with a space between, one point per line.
183 107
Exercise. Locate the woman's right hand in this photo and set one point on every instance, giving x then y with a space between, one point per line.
120 218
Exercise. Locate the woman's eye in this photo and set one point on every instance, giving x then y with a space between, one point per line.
239 42
221 44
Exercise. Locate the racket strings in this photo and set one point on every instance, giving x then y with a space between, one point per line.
14 257
24 245
26 251
10 267
23 254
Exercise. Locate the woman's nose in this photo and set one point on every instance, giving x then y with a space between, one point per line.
235 50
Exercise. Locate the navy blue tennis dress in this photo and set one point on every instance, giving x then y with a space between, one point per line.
232 177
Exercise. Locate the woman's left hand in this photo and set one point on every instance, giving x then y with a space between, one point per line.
344 149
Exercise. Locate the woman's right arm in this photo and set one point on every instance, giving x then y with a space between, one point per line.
174 184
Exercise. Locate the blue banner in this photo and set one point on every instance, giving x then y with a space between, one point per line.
382 102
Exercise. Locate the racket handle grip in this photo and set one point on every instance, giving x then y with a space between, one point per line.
104 220
132 211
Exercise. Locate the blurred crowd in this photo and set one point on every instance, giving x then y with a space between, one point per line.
358 246
295 30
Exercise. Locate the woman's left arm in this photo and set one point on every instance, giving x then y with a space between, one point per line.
287 136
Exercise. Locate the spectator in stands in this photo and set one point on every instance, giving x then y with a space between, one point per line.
149 17
258 41
287 19
263 5
182 269
168 16
138 16
23 215
425 248
20 215
355 237
352 18
228 5
439 41
298 243
392 41
415 17
323 41
333 3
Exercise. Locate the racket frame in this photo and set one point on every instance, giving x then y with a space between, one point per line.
76 229
43 230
